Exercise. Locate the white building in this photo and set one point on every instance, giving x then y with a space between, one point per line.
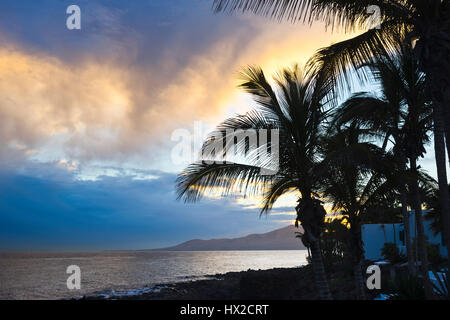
374 237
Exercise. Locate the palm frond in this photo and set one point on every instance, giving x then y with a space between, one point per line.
202 178
254 82
276 190
343 61
224 136
345 13
365 110
292 10
351 14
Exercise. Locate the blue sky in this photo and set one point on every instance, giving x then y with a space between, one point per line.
87 117
76 176
60 213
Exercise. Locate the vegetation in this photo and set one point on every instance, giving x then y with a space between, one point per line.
355 182
295 108
432 203
362 156
333 244
391 252
407 287
433 253
403 114
442 288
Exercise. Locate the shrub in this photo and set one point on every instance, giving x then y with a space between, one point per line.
434 256
391 252
407 288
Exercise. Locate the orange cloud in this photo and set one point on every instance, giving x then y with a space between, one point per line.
113 109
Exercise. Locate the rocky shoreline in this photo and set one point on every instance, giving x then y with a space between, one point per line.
273 284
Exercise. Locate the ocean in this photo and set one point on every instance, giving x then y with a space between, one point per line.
43 275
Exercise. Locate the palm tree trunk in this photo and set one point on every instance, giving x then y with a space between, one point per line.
423 255
438 87
359 281
357 253
445 115
407 228
440 94
319 272
439 150
311 215
437 69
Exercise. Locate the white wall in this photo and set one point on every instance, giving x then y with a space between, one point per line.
374 237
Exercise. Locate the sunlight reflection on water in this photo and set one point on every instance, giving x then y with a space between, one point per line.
43 275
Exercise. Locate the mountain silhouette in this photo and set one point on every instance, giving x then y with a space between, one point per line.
280 239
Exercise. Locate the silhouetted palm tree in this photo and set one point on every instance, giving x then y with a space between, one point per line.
432 203
403 113
357 182
426 23
294 107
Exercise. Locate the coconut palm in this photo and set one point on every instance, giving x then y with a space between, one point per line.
427 22
384 115
444 199
403 113
424 22
433 203
293 106
357 181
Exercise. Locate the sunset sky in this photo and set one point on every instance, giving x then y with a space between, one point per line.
87 118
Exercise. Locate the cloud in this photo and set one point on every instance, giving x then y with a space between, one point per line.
87 116
52 211
116 90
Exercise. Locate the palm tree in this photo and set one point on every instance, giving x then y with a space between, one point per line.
384 116
444 199
357 182
403 113
293 107
433 203
426 23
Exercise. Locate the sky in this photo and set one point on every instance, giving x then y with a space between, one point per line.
87 118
